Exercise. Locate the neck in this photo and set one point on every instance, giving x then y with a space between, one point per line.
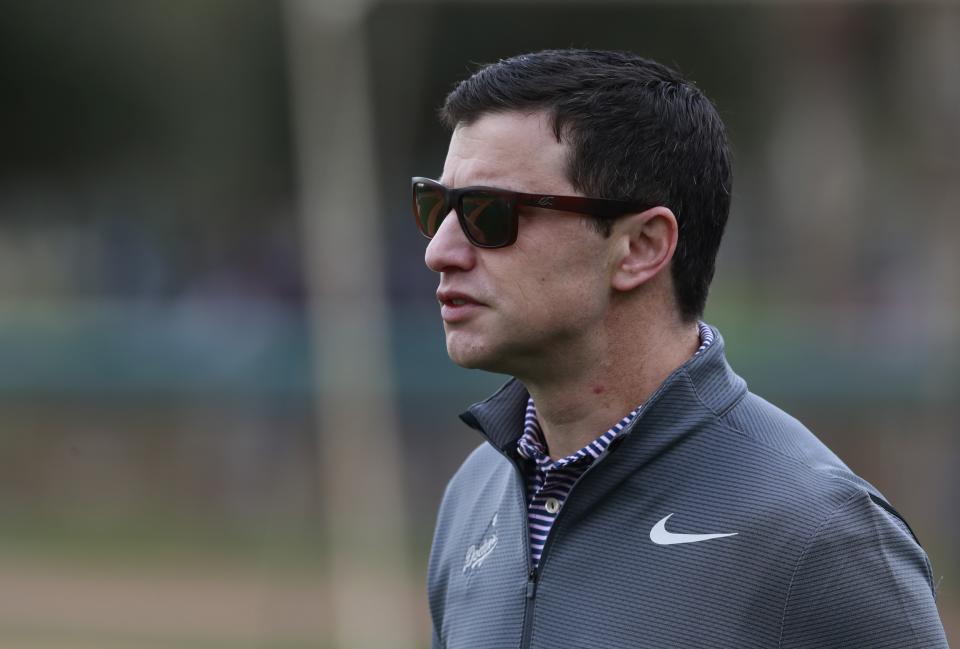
590 390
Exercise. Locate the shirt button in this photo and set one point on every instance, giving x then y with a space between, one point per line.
553 505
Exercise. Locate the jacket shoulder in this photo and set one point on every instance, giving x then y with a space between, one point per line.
801 459
854 546
767 425
861 577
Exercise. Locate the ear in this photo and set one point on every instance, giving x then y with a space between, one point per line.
645 245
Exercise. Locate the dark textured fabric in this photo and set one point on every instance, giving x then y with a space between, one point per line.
819 558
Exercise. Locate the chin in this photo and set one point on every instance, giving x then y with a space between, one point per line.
470 354
478 357
466 359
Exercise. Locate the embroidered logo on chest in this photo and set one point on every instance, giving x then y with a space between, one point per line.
478 552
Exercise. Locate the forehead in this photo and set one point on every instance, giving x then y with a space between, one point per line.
511 150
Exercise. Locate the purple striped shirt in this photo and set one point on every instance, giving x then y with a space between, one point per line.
549 481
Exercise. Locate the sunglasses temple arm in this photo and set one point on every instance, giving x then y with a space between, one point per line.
582 205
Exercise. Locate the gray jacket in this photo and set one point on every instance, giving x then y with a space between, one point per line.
813 557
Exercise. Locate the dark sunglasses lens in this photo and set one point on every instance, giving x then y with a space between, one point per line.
487 218
428 207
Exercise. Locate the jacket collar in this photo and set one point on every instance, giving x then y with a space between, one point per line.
706 379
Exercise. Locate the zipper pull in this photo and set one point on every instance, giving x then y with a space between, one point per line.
532 584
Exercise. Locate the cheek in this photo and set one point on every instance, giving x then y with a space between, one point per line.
569 298
563 283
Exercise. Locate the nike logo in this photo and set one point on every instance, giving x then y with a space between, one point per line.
661 536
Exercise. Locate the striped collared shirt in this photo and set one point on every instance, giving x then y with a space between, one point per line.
549 481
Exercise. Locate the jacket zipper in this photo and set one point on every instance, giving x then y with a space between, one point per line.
531 587
528 610
533 575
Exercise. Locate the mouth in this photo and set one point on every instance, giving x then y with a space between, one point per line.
456 299
456 307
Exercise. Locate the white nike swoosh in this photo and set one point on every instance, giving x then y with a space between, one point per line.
661 536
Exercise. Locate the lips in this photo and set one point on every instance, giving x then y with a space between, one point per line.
456 298
456 306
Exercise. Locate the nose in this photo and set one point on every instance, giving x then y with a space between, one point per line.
449 248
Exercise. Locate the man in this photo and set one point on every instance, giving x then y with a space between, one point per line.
631 492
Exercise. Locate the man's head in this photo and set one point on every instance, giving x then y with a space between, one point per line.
636 130
565 124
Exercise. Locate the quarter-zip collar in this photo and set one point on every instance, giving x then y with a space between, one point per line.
705 382
499 418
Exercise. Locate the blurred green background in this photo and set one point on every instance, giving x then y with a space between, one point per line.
178 464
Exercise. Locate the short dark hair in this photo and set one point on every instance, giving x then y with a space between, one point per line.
637 130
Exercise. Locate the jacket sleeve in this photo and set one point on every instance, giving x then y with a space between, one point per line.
862 581
435 639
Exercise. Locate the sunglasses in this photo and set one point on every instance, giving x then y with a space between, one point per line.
488 216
